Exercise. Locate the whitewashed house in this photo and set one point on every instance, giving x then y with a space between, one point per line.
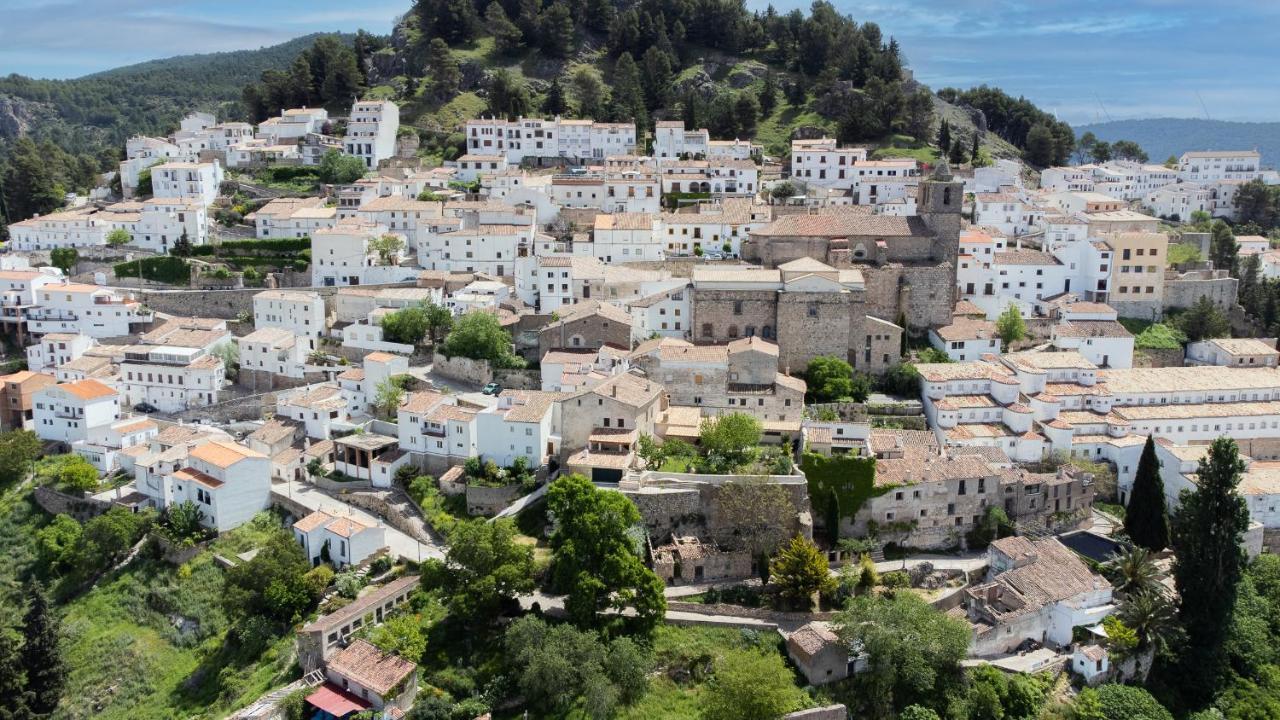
187 180
298 311
371 131
343 541
228 482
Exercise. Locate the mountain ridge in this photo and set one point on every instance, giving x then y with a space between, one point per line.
1162 137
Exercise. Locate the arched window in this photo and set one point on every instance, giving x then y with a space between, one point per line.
946 196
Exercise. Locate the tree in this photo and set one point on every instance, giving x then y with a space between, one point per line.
183 520
554 102
596 558
453 20
12 679
919 111
479 336
56 543
1223 248
1084 147
271 586
388 247
439 320
1203 321
1153 617
1010 327
756 516
18 450
1146 519
944 135
800 570
30 184
119 237
768 98
976 148
336 168
1040 150
1207 531
68 472
747 111
1128 150
749 685
914 650
558 666
109 537
508 95
1134 570
732 438
917 712
1119 702
628 101
403 634
64 258
445 73
797 95
181 246
830 379
41 657
388 397
956 156
407 326
506 36
589 90
556 31
486 569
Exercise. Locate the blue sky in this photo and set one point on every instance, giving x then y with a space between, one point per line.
1135 58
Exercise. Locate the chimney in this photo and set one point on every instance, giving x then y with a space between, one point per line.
613 390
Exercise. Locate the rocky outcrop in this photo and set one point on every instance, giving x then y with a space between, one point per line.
18 116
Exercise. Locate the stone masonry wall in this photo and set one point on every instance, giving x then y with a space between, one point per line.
226 304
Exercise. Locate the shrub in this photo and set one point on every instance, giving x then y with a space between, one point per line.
164 269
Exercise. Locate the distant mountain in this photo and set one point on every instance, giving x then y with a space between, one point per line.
1162 137
103 109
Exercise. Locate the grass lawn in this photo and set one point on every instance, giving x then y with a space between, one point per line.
1182 253
774 132
1114 510
1153 336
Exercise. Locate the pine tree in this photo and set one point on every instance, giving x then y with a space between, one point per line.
657 77
12 678
768 94
554 103
41 657
1207 531
446 76
628 96
506 36
1146 519
1223 248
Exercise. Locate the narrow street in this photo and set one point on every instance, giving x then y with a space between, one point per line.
399 542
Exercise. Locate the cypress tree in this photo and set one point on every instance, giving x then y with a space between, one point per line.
977 144
956 156
554 103
41 656
944 136
1207 531
1146 520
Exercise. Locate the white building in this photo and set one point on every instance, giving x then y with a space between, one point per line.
625 191
343 255
298 311
80 227
228 482
519 425
56 349
627 237
276 351
171 378
824 164
1214 165
371 131
95 311
472 167
548 138
292 218
318 408
436 431
293 124
1233 352
187 180
78 412
343 541
1177 202
966 339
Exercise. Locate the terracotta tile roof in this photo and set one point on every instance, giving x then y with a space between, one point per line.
346 527
223 454
528 405
136 426
195 476
627 389
965 328
316 519
370 667
844 225
911 471
812 638
88 389
752 343
1091 328
421 402
273 431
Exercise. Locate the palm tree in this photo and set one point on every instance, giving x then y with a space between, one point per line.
1133 571
1155 619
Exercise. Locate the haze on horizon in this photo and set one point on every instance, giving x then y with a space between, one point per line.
1086 60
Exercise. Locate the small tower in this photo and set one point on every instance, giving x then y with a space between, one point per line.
939 203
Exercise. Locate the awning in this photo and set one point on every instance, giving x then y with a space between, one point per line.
336 701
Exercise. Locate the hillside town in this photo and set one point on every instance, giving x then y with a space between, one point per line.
804 389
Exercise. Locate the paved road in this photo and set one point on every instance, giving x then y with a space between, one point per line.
399 542
967 563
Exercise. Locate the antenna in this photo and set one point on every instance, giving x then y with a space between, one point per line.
1102 107
1203 106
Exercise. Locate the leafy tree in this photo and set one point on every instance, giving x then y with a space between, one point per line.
508 95
69 472
479 336
335 168
486 568
439 320
1128 150
41 657
452 21
902 379
732 438
917 712
388 246
403 634
64 258
388 396
445 73
759 514
182 246
944 135
109 537
749 685
1119 702
119 237
506 36
595 557
800 570
796 93
272 586
56 543
746 108
18 450
1146 519
183 520
558 666
1207 530
919 115
829 379
1010 326
407 326
589 90
914 650
1203 321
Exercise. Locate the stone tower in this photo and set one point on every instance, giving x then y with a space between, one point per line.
939 204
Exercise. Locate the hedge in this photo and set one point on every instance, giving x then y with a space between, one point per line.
280 245
165 269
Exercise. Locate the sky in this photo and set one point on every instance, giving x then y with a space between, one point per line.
1084 60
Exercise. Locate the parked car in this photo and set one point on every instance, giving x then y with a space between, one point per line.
492 388
145 408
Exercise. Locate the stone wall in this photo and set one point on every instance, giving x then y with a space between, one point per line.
82 509
340 486
921 294
462 369
1142 310
1183 291
1155 358
483 500
830 712
523 379
226 304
